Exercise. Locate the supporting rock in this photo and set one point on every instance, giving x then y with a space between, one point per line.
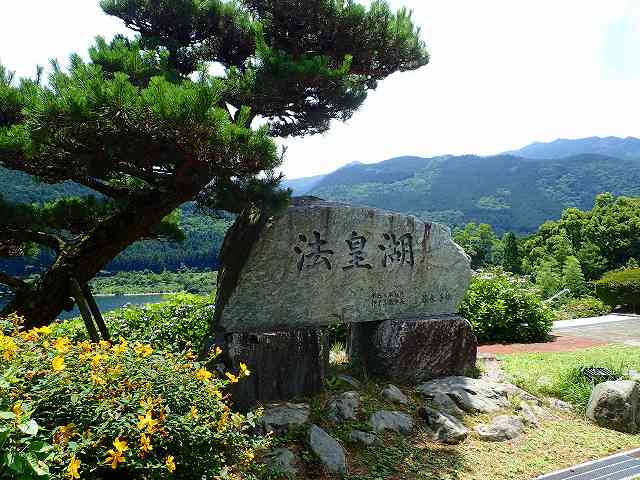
412 351
616 405
284 365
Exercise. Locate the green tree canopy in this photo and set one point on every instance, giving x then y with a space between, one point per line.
478 242
154 121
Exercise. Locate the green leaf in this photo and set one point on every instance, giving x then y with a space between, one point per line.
40 447
39 468
7 415
30 427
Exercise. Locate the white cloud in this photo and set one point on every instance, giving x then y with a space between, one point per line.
503 74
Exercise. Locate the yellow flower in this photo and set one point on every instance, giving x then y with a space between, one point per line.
171 465
248 455
58 364
95 361
147 421
86 346
104 344
72 468
244 371
232 378
8 347
120 348
145 443
46 330
144 350
63 434
62 344
17 409
32 335
194 412
121 445
114 458
222 422
203 374
190 355
98 380
45 344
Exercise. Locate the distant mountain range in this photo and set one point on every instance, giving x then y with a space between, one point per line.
514 191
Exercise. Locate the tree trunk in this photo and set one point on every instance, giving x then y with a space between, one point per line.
41 304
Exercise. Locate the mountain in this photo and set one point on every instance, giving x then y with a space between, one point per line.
506 191
625 148
300 186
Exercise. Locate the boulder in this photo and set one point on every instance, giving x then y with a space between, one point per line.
281 417
445 403
616 405
560 405
320 263
349 380
469 394
528 415
284 365
344 407
445 428
502 428
395 421
328 450
367 439
413 350
281 461
394 394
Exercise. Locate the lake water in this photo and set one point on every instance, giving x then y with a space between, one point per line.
107 303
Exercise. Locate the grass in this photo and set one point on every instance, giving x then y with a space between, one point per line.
563 439
558 374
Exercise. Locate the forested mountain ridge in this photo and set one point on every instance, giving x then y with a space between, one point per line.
506 191
625 148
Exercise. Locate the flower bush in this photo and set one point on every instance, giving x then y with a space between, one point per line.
500 307
581 308
73 409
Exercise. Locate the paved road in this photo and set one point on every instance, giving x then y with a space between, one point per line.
620 329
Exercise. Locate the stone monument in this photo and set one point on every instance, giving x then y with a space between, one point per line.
284 278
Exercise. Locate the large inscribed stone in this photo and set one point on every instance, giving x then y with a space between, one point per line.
321 263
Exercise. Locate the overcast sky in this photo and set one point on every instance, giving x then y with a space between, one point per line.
502 74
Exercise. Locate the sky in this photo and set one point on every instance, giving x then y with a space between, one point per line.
502 74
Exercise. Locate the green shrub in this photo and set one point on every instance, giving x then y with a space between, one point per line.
501 308
620 287
582 308
179 323
124 410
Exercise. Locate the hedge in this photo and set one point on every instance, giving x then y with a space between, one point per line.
620 288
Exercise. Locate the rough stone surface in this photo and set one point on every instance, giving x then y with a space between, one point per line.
280 417
284 365
502 428
412 351
528 415
394 394
395 421
344 407
445 428
321 263
469 394
616 405
560 405
328 450
364 438
444 402
282 461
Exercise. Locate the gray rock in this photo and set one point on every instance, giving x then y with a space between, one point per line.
445 428
470 394
502 428
282 461
616 405
544 382
320 263
444 403
633 375
395 421
281 417
560 405
394 394
364 438
344 406
349 380
528 415
412 350
328 450
284 365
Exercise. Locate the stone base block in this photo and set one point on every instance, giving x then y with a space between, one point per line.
412 351
284 365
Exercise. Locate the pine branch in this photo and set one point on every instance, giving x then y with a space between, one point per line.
13 283
52 241
105 189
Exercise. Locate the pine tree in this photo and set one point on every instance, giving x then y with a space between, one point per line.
146 126
547 277
510 253
572 277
